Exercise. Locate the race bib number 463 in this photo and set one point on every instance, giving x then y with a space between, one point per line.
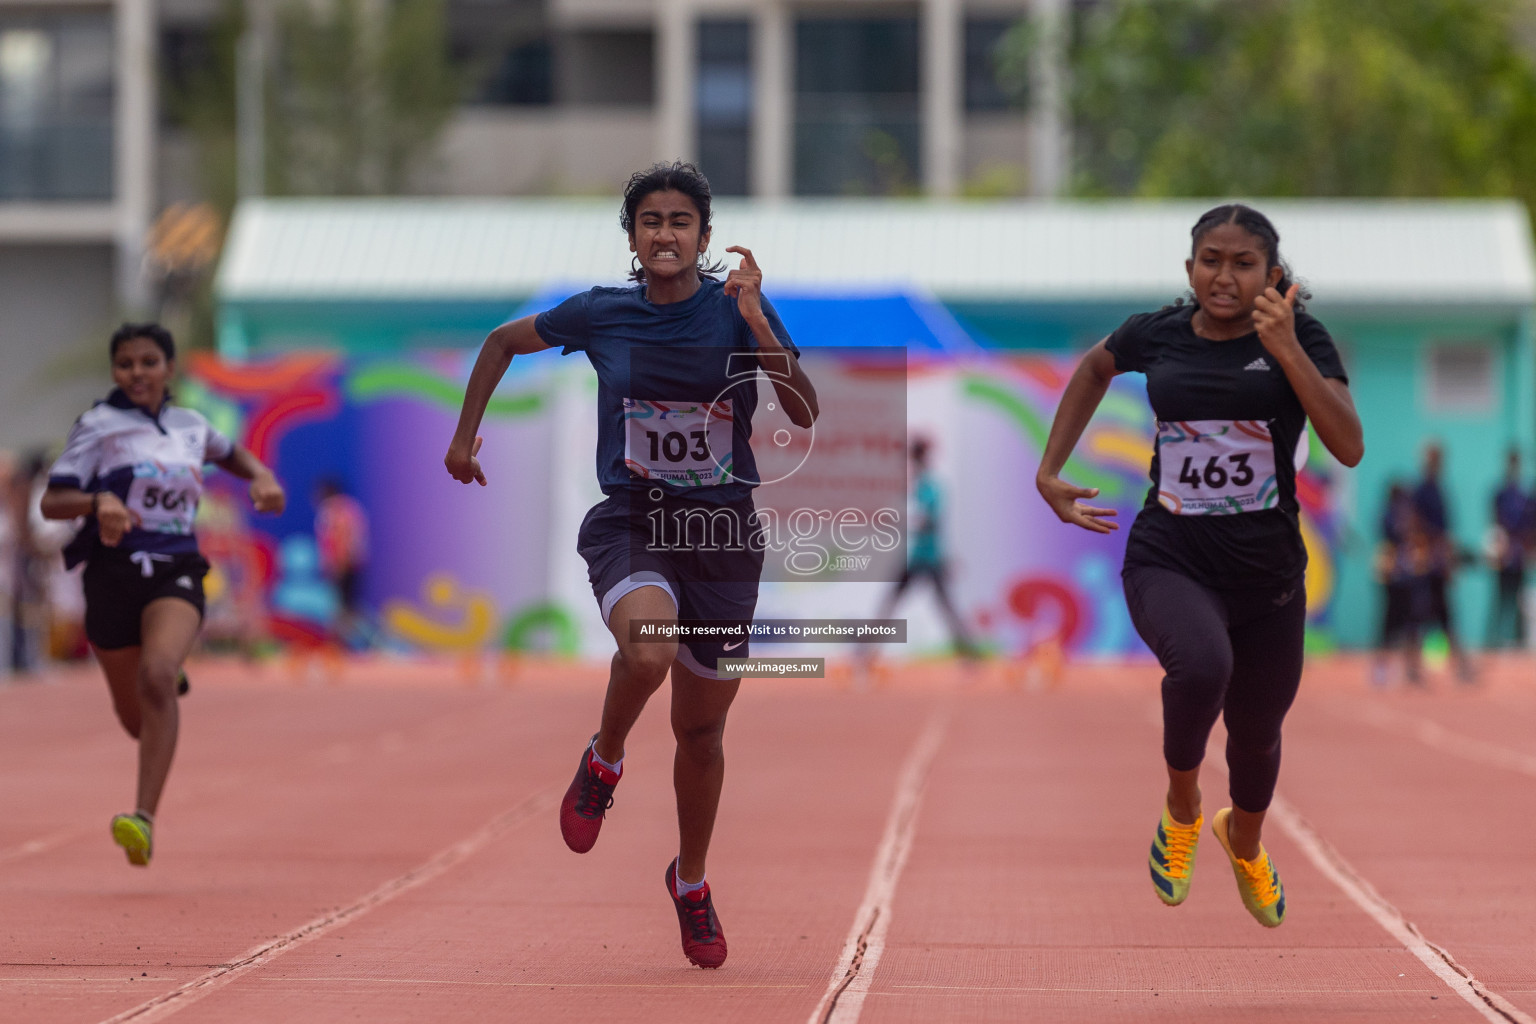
683 443
1216 467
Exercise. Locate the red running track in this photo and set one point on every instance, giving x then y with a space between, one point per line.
383 847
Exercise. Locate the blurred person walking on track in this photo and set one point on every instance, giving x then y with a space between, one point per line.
1510 552
1214 566
668 451
925 554
133 467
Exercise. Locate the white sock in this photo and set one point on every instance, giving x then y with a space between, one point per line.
683 888
616 767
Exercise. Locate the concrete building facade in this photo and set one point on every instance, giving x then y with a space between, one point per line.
772 98
77 130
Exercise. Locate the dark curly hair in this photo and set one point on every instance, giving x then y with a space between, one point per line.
154 332
1257 225
677 176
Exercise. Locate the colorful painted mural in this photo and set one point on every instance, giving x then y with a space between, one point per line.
458 569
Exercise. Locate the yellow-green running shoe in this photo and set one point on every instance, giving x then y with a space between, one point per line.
1258 883
136 836
1173 858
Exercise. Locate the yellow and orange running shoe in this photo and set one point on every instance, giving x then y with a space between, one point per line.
1173 858
135 834
1258 883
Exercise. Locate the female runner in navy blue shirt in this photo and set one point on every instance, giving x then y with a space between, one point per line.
674 428
1214 564
133 465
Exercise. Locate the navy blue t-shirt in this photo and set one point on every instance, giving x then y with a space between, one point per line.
672 379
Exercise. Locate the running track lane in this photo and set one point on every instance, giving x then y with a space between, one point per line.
1024 895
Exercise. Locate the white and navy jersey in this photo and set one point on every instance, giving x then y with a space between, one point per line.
152 461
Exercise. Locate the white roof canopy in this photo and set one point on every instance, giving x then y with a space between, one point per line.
1408 252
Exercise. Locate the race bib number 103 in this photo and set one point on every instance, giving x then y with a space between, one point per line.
687 444
1216 467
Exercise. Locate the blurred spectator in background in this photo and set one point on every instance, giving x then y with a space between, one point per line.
1406 562
10 531
1430 508
62 629
44 621
341 534
1508 550
1395 521
925 550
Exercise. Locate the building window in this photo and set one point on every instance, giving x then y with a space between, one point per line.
503 49
520 75
986 86
857 115
56 93
724 105
606 69
1461 379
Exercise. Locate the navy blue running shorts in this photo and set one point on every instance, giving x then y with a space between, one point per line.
709 558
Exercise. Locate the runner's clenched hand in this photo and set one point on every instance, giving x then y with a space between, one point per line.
113 518
1274 317
267 494
465 466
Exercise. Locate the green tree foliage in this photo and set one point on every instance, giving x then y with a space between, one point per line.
357 94
363 88
203 105
1303 98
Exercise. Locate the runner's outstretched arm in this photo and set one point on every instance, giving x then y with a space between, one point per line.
1084 393
796 392
516 337
266 493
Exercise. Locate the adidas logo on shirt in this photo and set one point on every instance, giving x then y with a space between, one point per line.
184 581
1257 364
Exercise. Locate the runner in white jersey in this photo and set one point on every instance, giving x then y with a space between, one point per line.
133 467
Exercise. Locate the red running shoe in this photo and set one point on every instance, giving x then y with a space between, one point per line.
587 801
703 941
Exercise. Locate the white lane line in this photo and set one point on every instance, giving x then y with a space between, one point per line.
1438 737
468 983
178 999
43 845
1493 1007
855 967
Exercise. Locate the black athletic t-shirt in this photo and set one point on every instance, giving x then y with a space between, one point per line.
1222 506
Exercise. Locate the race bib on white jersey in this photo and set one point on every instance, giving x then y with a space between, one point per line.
1216 467
165 497
683 443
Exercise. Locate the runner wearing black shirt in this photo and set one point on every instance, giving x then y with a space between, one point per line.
1214 564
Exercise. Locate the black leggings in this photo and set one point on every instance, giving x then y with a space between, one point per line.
1235 653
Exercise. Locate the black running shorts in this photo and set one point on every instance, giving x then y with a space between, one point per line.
119 586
